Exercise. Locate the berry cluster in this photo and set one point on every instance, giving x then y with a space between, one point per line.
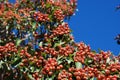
7 50
50 66
80 74
58 14
61 50
50 1
83 47
37 60
66 50
10 14
27 58
84 73
101 57
101 72
25 54
24 12
108 71
2 7
112 68
9 47
91 72
67 7
49 50
64 75
36 76
109 77
60 30
38 16
83 51
56 2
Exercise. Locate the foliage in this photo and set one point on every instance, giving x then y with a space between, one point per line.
36 44
117 38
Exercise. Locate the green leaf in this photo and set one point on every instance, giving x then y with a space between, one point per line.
44 54
41 43
92 78
18 26
56 44
50 17
70 58
103 71
108 60
30 76
34 25
78 65
32 69
7 27
59 61
88 61
49 79
16 61
1 41
49 40
116 60
59 43
69 61
18 41
93 51
1 62
48 5
5 66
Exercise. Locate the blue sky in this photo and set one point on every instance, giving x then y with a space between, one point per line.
96 23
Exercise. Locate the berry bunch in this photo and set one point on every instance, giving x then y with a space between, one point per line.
7 50
24 12
50 66
101 57
58 14
50 2
8 15
83 51
109 77
112 68
28 59
63 75
60 30
61 50
80 74
24 54
40 17
10 47
36 75
49 50
65 8
83 47
66 50
92 72
84 73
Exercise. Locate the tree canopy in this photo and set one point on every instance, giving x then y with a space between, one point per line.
36 44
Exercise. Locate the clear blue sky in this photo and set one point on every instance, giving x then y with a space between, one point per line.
97 23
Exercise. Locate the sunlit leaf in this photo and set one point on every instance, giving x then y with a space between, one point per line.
78 65
18 41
